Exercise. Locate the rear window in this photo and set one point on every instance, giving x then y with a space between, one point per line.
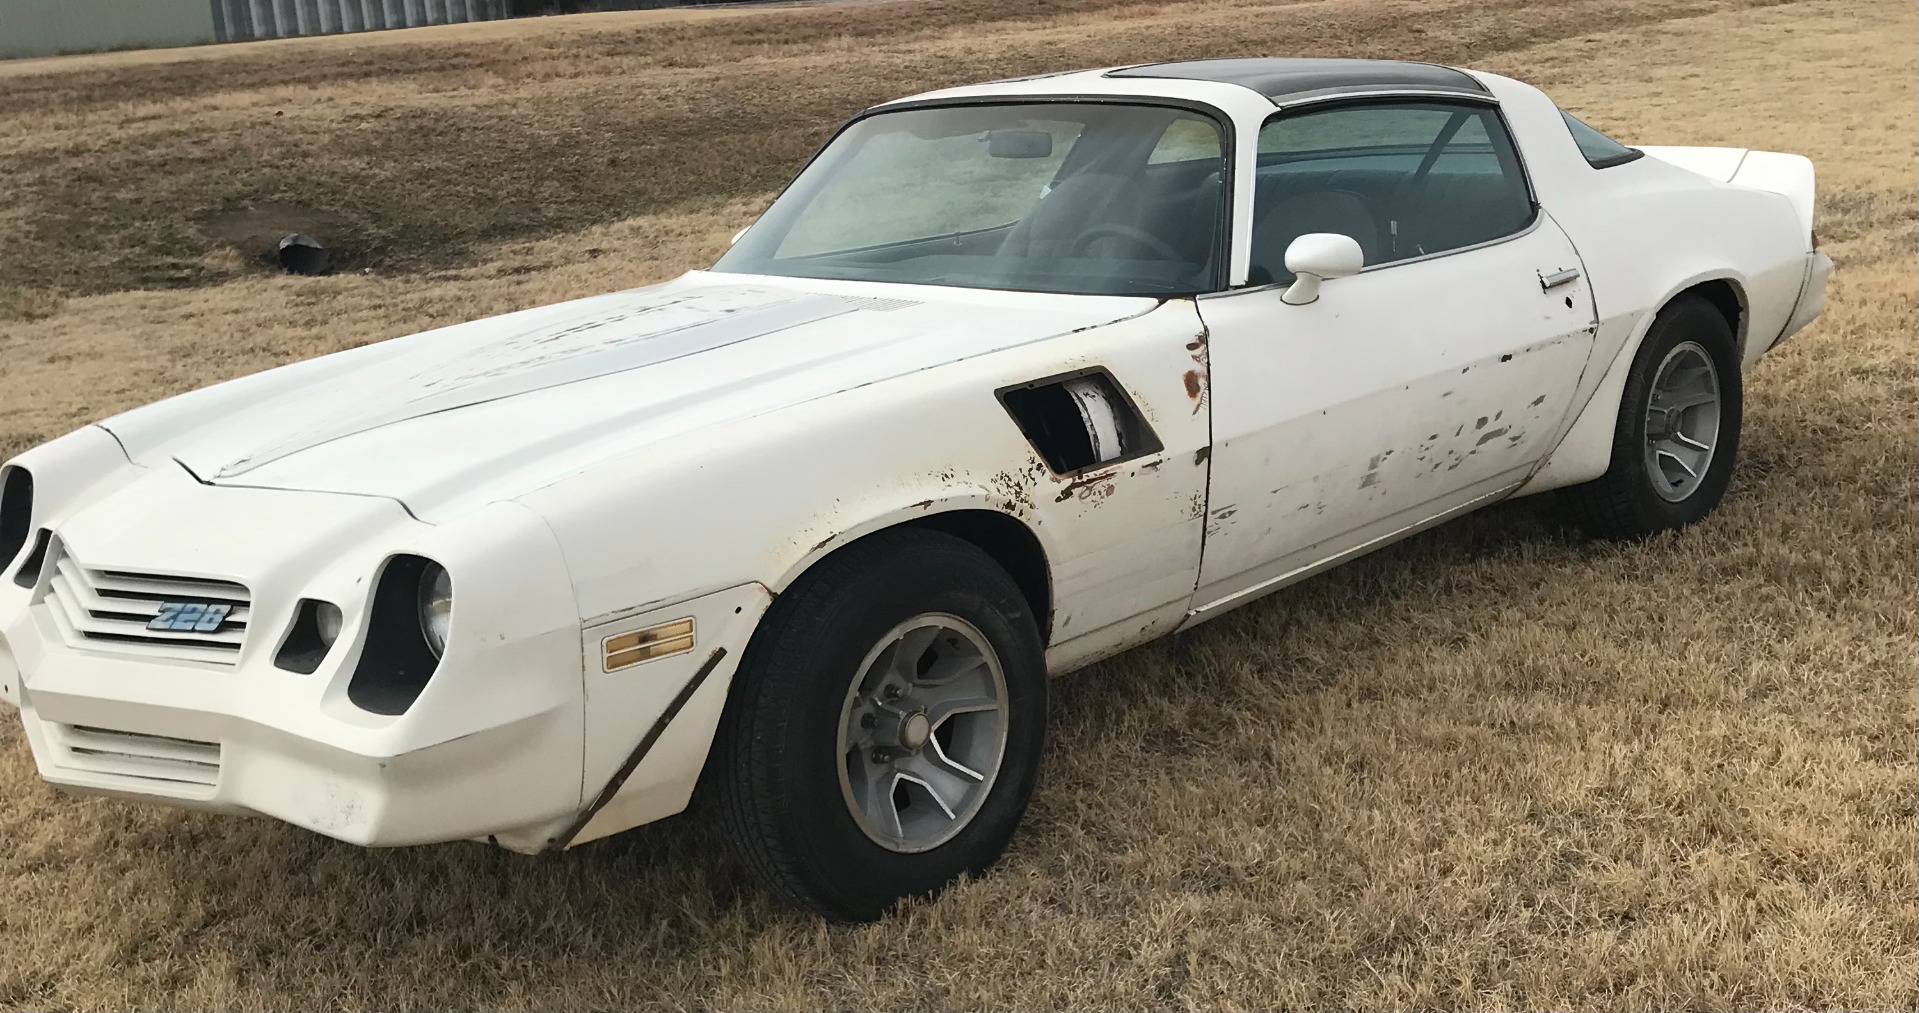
1600 151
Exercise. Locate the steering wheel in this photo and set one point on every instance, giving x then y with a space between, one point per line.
1139 236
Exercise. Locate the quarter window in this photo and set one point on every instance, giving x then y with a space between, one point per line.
1601 152
1403 179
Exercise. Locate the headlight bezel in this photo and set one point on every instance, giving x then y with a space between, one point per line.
16 513
308 640
397 656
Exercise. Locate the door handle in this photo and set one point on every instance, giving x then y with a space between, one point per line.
1548 282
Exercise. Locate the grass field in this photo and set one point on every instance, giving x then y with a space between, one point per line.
1493 767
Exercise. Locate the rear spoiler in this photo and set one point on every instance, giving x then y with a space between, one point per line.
1771 171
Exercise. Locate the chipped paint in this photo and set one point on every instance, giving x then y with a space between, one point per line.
1016 489
1094 489
1371 477
1197 380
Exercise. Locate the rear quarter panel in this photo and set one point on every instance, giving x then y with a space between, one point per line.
1646 231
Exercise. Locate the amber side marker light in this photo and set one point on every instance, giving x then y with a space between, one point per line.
650 644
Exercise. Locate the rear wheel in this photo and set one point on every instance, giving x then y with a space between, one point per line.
885 727
1678 430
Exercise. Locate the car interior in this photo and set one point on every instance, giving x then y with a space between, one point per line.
1168 212
1398 203
1113 220
1394 211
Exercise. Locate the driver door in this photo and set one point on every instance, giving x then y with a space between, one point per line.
1432 381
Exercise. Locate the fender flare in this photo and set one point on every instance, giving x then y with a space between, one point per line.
894 513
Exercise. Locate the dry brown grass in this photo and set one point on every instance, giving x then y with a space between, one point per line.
418 156
1493 767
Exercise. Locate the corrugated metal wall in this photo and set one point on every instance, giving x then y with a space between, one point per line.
47 27
234 20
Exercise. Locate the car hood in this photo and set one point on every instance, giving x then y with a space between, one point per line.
430 419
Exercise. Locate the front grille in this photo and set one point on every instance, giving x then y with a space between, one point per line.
161 758
111 610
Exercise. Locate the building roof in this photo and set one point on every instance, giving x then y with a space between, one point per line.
1283 79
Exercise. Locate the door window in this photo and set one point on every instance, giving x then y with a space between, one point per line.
1403 179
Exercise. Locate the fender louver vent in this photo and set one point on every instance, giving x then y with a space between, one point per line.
1079 420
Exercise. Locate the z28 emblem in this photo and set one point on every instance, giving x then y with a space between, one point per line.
189 617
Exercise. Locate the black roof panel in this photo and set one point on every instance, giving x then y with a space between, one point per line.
1282 79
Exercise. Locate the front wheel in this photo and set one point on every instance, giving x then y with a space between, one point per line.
1678 430
885 728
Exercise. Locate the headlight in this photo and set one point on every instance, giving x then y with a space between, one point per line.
327 621
436 606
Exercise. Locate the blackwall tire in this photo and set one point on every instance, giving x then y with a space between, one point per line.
1677 435
874 691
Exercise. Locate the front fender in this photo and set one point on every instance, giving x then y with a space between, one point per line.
754 503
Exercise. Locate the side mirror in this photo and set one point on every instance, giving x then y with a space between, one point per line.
737 235
1316 257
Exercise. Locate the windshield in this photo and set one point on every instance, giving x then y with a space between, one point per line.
1076 197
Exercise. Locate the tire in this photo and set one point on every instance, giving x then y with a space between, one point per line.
1649 487
802 800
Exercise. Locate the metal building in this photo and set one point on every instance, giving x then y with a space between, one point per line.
47 27
276 19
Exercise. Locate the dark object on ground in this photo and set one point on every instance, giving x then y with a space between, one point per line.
303 254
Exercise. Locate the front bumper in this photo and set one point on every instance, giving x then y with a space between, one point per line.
475 787
492 748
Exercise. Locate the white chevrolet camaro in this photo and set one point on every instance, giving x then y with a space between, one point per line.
1012 377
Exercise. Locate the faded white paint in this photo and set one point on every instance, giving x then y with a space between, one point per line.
1404 388
687 451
